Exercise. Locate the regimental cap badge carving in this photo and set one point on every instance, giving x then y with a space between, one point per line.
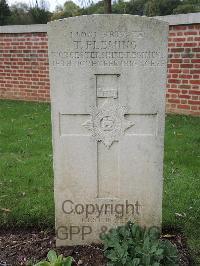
107 122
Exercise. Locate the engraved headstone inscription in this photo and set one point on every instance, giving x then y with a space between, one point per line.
107 76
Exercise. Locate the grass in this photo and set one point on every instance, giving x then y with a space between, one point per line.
26 176
181 202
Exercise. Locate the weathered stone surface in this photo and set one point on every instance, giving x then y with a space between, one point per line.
108 75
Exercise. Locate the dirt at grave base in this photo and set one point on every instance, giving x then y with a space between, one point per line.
20 246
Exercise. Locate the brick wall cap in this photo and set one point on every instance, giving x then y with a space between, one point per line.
181 19
43 27
23 28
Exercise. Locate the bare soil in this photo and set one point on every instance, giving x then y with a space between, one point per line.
24 247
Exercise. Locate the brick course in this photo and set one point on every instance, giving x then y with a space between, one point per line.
183 80
24 71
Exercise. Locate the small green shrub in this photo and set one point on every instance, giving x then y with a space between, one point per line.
132 245
54 260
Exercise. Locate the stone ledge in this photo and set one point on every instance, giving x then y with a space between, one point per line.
23 28
181 19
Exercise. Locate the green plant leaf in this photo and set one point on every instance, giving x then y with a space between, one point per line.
68 261
57 263
110 264
154 233
60 258
43 263
146 245
52 256
146 259
159 252
154 247
136 262
133 245
156 264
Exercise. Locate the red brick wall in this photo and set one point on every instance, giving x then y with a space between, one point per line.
24 71
183 94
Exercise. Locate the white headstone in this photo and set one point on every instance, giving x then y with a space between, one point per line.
108 77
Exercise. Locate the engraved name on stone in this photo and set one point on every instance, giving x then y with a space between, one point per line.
96 49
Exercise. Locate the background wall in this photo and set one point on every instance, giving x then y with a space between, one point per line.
183 83
24 72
